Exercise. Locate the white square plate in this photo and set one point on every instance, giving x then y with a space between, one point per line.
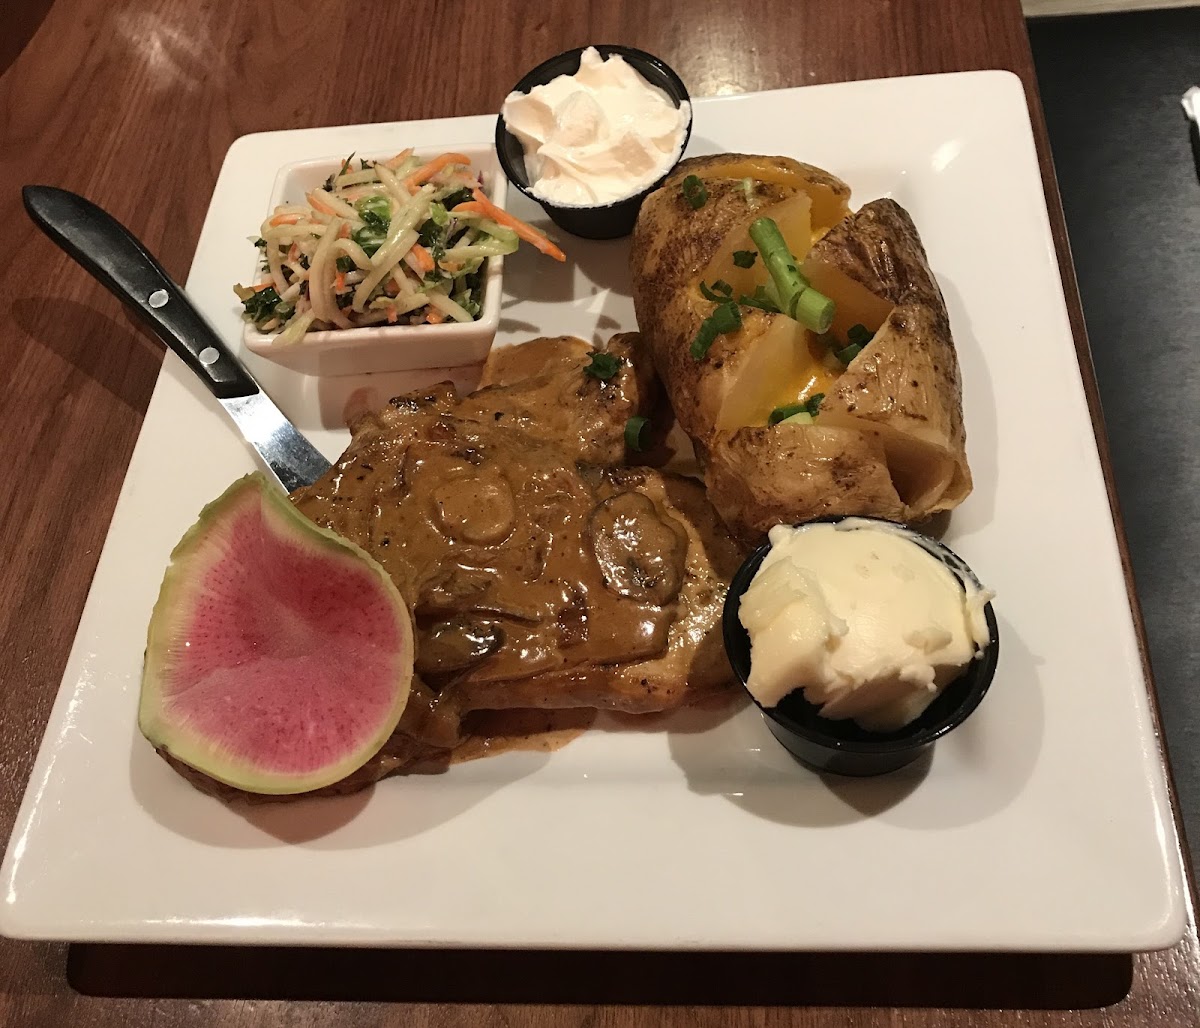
1041 824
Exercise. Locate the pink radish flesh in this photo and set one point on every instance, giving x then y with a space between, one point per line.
287 657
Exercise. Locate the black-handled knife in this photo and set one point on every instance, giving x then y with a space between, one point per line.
111 253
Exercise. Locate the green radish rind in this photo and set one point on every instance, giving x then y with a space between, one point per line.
174 599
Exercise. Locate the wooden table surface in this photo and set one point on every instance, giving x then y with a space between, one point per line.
134 103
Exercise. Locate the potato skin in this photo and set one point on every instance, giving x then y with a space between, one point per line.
907 380
672 244
889 440
759 477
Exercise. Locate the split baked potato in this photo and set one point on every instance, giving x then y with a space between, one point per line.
887 438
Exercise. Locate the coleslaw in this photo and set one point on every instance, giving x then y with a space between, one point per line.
398 241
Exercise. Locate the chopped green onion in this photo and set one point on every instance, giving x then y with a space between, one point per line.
719 292
694 192
859 334
814 310
635 429
783 413
797 413
705 337
725 318
603 365
778 259
761 299
797 299
848 353
744 258
748 188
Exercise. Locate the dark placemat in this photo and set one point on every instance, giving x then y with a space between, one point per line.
1110 85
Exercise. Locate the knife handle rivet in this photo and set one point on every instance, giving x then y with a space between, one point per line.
208 356
158 298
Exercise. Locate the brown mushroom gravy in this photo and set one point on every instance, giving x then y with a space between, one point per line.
540 572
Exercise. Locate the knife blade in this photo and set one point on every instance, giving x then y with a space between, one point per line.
119 261
287 454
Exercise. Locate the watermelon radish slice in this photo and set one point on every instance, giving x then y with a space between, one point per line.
279 655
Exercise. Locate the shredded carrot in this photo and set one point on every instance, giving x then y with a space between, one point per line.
262 285
482 205
392 316
393 163
434 316
294 252
423 256
391 288
427 171
344 231
284 219
318 204
339 282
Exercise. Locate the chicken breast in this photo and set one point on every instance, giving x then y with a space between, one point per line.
541 572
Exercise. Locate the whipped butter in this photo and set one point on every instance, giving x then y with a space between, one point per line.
869 623
597 136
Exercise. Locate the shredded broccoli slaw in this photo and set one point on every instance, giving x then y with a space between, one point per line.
400 241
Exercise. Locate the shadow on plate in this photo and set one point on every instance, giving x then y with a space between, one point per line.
395 809
987 762
531 277
963 981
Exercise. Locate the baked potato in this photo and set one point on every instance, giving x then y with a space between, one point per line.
887 438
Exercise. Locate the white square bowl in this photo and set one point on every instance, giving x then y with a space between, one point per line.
352 351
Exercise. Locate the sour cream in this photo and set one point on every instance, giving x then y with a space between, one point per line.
862 618
597 136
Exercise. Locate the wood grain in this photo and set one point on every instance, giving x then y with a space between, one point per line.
134 103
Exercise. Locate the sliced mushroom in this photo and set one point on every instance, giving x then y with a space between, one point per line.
477 508
456 644
641 552
451 589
